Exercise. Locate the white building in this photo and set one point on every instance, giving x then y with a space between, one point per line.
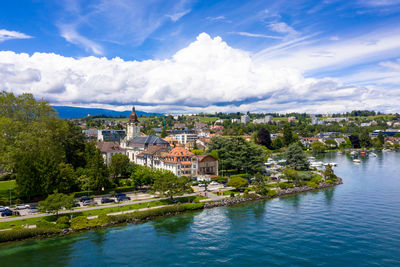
109 149
314 121
245 119
185 138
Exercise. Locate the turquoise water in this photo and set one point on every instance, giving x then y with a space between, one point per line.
357 224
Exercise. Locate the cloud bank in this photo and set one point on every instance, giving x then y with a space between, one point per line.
206 76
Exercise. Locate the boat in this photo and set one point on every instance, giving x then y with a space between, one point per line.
372 154
353 153
386 150
316 164
356 161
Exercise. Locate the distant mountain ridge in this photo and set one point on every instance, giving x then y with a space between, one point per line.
66 112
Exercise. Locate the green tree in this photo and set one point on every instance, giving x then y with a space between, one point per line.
318 147
264 138
238 183
118 166
292 175
328 173
55 202
170 185
381 138
365 139
287 134
278 143
96 169
355 141
259 184
164 132
296 158
376 143
237 154
67 181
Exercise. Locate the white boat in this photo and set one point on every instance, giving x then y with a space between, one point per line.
311 159
372 154
334 164
386 150
353 153
356 161
316 164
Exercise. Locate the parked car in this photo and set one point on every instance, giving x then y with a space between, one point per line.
120 195
16 213
6 213
22 207
87 202
123 198
214 183
201 185
106 200
33 210
85 198
2 208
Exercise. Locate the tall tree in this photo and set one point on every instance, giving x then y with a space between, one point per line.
296 158
170 185
118 166
264 138
96 168
287 134
237 154
355 141
381 138
365 139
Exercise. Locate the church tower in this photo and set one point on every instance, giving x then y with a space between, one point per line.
133 126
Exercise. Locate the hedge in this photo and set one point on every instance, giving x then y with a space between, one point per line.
285 185
151 213
22 233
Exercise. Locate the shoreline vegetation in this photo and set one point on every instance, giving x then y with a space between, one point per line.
65 226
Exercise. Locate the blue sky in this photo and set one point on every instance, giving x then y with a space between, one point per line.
192 56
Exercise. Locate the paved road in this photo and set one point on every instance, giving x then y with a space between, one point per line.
199 190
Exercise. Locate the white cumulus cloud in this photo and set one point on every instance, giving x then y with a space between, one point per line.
207 75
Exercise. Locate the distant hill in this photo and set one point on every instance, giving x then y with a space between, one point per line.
66 112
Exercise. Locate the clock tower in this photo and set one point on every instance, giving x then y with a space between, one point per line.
133 126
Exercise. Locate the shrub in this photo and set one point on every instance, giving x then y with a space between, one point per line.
306 176
316 179
285 185
22 233
312 184
63 220
329 181
221 179
45 224
80 222
232 195
272 193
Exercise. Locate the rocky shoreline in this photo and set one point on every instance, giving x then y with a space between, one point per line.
283 192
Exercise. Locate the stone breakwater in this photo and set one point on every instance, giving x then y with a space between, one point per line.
283 192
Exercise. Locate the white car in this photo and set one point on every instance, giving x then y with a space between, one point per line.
214 183
22 207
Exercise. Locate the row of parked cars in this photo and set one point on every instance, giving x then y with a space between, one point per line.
86 201
6 211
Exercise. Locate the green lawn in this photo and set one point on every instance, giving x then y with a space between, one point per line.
32 221
208 119
5 190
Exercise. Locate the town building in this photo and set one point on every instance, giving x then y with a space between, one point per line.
109 149
185 138
134 143
110 135
245 119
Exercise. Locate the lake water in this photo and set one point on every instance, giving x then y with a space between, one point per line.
354 224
